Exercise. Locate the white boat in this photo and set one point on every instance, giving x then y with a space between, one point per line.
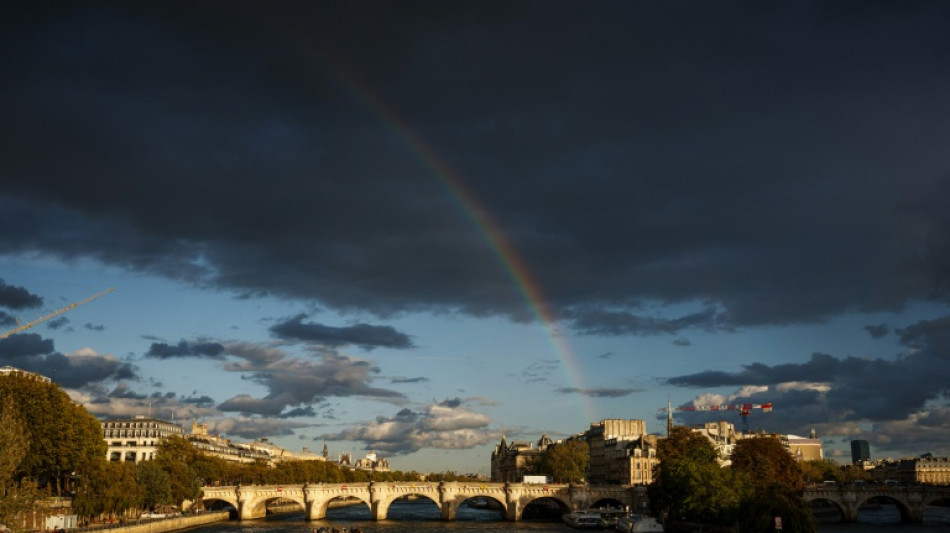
636 523
584 520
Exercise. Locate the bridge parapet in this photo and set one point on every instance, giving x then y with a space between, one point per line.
251 500
910 501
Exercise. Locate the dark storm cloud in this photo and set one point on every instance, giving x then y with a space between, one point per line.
598 393
781 164
94 327
185 348
850 390
7 319
929 335
600 322
409 380
365 336
199 400
76 371
253 428
877 331
57 323
122 391
14 297
298 412
33 353
682 342
24 345
451 402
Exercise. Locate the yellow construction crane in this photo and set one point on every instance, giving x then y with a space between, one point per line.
28 325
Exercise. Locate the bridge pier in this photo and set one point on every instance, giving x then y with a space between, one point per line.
915 508
248 508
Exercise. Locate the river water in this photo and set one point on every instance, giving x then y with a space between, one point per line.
423 516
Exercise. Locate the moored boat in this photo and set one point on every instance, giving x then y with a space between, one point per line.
584 520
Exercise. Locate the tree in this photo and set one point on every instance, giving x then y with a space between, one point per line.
564 462
818 471
155 483
16 496
108 488
689 484
773 482
766 462
175 455
64 439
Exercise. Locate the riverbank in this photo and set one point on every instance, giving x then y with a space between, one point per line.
164 525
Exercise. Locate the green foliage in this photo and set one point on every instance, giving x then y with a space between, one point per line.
109 487
155 483
565 462
16 496
177 457
63 437
819 471
773 482
689 484
766 462
762 505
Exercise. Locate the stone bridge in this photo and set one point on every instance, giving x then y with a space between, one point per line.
849 498
251 500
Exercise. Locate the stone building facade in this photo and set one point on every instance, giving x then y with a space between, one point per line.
223 448
510 461
723 436
630 462
614 448
923 470
372 463
136 439
804 449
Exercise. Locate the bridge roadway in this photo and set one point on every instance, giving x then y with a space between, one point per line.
910 500
251 500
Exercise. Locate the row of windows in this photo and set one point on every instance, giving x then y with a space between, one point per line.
131 457
112 433
131 443
173 428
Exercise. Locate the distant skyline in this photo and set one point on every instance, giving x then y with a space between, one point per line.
412 227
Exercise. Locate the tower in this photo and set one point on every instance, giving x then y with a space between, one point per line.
860 451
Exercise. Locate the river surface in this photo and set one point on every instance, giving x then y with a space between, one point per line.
423 516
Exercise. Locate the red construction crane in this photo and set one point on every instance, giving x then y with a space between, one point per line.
744 410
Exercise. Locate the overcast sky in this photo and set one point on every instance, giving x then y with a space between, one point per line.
410 227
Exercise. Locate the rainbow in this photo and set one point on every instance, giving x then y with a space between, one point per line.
475 212
512 262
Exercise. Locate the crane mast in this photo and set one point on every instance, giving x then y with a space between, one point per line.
44 318
745 409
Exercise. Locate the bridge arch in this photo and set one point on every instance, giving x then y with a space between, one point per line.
209 501
383 504
538 507
451 506
319 507
257 507
906 513
814 505
609 502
